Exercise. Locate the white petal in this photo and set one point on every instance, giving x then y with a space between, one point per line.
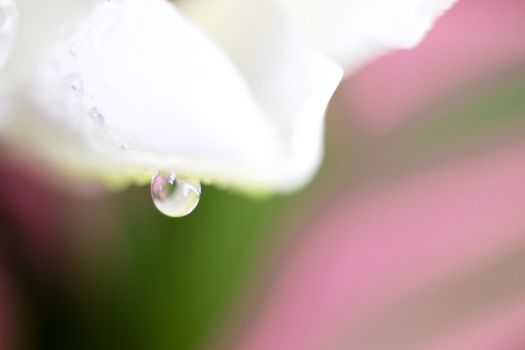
291 80
354 31
8 22
40 22
139 76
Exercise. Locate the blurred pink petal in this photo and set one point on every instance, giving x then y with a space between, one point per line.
475 39
503 331
29 213
372 249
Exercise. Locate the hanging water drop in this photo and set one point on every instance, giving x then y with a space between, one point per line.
174 197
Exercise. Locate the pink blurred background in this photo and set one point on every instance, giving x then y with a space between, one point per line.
434 258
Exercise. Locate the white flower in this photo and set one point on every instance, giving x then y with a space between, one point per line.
231 92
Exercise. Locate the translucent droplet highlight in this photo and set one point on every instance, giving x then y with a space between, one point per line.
73 50
96 116
79 47
174 197
73 86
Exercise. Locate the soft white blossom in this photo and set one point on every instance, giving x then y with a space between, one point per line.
231 92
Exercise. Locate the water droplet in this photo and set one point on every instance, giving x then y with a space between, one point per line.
79 47
174 197
96 116
73 50
74 87
123 146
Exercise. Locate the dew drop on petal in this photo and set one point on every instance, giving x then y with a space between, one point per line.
96 116
79 47
174 197
73 86
73 50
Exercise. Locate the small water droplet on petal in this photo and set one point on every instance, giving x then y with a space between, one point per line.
174 197
73 50
79 47
96 116
74 87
